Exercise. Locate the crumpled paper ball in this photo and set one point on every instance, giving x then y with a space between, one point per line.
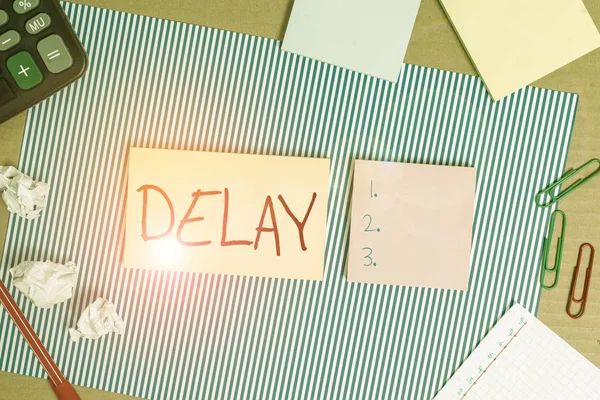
45 283
98 319
22 195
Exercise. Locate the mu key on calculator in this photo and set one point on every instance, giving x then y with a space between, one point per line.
39 53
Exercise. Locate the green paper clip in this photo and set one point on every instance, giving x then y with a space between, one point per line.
554 198
547 243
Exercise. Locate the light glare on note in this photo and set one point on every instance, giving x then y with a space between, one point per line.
167 252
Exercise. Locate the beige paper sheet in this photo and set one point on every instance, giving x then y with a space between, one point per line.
513 43
411 224
217 202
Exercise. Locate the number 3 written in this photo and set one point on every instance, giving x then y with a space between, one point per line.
368 256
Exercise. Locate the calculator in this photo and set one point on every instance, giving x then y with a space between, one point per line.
39 53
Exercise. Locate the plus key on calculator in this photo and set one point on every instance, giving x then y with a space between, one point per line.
39 53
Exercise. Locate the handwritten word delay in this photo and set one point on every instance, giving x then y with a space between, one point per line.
261 227
219 213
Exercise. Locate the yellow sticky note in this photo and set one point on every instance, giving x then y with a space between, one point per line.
411 224
226 213
513 43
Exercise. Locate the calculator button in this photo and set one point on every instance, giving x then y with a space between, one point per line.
9 40
24 70
38 23
55 54
3 17
24 6
5 93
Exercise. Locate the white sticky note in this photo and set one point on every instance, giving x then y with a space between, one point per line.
411 224
513 43
223 213
365 36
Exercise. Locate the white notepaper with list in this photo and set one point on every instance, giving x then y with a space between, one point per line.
411 224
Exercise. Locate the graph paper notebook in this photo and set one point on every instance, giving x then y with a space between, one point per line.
521 358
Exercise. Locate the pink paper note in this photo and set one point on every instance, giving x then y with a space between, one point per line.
411 224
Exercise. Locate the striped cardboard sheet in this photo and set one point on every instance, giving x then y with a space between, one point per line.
162 84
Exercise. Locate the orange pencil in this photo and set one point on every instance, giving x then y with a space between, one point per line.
62 388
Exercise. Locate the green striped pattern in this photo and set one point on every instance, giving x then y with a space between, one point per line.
162 84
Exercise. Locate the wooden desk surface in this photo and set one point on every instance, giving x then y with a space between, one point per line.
433 44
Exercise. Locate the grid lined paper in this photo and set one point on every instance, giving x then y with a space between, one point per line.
521 358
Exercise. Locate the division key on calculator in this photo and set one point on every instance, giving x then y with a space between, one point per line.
39 54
